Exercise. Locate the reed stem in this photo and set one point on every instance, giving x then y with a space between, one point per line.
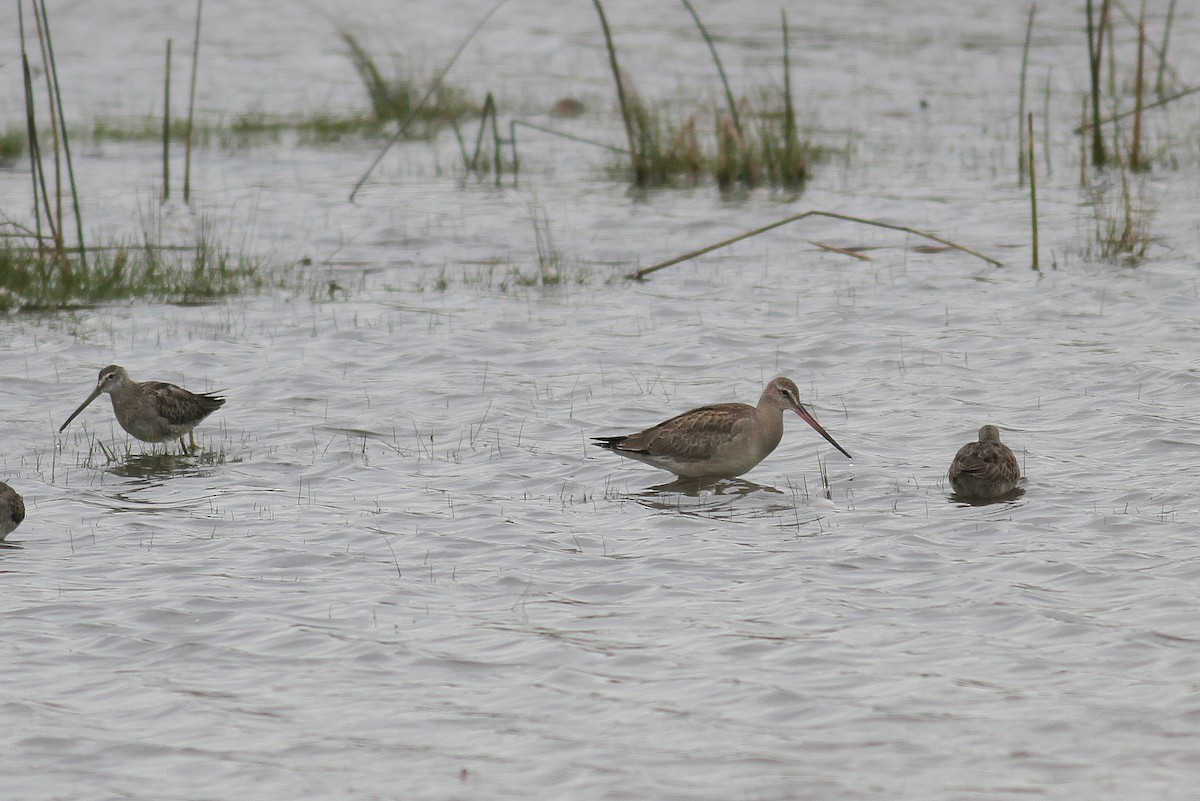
62 121
191 115
789 111
1021 150
642 273
1046 125
1135 145
54 213
1033 193
1095 34
31 130
1085 125
572 137
166 127
1162 53
712 48
512 141
1081 132
497 141
639 167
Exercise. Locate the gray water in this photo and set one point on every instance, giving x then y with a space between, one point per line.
400 571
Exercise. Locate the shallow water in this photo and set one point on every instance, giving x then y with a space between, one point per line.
400 570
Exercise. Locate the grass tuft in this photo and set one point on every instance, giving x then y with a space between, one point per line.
12 145
663 152
38 279
396 98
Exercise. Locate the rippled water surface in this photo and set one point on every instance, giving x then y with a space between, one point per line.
399 570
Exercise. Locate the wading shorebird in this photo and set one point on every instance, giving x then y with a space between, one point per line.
12 510
719 441
152 411
985 469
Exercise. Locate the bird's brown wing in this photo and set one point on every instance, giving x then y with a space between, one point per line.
178 406
16 508
693 435
986 461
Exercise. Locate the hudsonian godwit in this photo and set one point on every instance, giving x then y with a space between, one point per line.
12 510
985 469
719 441
152 411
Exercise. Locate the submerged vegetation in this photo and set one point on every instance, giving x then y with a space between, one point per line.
1121 220
506 278
552 268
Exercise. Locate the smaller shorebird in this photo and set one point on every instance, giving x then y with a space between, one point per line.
12 510
152 411
985 469
719 441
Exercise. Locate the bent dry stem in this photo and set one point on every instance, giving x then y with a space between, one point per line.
645 271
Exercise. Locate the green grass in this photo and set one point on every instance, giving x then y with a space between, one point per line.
31 279
249 129
12 145
241 131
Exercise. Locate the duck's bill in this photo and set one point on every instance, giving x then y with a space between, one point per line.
812 421
95 394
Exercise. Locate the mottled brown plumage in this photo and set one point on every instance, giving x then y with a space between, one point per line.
985 469
152 411
12 510
719 441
